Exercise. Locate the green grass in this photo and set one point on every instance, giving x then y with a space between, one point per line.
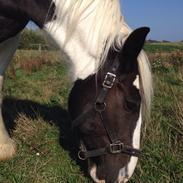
162 144
36 101
163 47
163 141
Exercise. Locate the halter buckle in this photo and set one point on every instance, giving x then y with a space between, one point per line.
109 80
116 148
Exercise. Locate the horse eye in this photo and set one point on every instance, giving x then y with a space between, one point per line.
131 105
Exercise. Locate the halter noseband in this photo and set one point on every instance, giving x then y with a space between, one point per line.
116 146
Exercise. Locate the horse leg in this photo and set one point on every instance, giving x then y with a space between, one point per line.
7 50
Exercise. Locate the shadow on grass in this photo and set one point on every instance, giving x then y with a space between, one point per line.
52 114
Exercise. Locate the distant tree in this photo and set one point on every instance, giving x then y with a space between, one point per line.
29 38
152 41
165 41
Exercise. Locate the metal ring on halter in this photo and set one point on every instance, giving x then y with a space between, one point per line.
100 107
81 155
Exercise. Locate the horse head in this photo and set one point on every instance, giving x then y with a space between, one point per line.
106 113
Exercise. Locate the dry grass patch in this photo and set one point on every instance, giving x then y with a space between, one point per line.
167 60
32 132
31 61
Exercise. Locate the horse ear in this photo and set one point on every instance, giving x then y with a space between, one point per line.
131 49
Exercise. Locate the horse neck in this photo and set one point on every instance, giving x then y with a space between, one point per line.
82 58
82 33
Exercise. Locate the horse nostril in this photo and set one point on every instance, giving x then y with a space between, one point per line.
124 180
101 181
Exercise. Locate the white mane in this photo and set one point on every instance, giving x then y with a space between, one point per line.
100 24
102 19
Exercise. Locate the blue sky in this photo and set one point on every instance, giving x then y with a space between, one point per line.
164 17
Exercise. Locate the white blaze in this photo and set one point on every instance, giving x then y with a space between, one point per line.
126 172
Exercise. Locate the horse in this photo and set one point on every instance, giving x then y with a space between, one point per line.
87 32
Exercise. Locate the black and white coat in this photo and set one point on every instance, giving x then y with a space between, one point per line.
85 31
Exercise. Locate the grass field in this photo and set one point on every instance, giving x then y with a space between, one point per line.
164 47
35 106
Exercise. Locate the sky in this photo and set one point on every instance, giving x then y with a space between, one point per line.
164 17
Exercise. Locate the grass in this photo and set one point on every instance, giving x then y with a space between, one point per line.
36 101
163 47
35 106
163 142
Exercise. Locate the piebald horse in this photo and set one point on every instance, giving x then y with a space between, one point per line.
93 34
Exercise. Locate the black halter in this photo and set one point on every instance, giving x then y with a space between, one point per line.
115 146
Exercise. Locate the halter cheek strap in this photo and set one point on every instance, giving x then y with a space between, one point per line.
115 146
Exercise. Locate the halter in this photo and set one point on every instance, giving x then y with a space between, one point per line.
115 146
